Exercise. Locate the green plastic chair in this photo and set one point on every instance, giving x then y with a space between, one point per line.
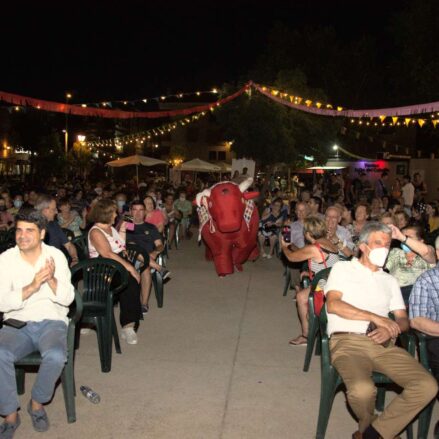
313 320
81 244
102 279
67 375
331 380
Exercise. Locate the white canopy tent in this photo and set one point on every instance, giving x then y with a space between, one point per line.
136 160
197 165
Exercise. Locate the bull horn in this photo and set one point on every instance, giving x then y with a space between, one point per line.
244 185
200 195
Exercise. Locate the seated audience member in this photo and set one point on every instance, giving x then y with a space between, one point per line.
320 253
376 209
70 219
173 216
361 217
401 219
146 236
184 206
270 225
296 228
78 202
432 213
315 207
359 297
153 215
424 311
105 241
409 261
54 234
6 219
346 217
17 202
30 199
338 235
121 206
35 288
387 218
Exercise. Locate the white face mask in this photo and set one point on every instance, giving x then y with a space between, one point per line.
378 256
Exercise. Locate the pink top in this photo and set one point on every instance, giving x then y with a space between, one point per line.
155 217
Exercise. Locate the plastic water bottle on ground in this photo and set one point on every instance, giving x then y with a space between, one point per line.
90 394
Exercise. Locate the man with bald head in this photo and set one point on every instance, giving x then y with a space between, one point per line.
337 234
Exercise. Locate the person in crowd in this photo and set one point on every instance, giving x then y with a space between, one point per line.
315 207
305 196
31 199
146 236
362 211
356 188
153 215
333 189
432 213
387 218
419 216
121 206
270 225
54 235
184 206
17 203
408 194
78 202
376 209
346 217
35 288
367 190
61 193
382 185
359 297
396 189
173 217
105 241
70 219
338 235
409 261
420 188
424 311
6 219
320 253
401 219
317 190
385 202
296 228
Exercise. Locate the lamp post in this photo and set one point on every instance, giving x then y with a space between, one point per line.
66 131
335 148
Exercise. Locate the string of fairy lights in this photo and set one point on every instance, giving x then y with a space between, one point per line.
119 142
134 102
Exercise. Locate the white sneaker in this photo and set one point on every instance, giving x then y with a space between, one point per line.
268 256
129 335
264 255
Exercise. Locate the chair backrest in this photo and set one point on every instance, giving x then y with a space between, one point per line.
101 279
133 253
317 297
81 244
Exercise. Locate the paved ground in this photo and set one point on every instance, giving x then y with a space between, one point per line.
213 363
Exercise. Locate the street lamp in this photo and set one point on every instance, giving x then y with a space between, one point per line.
81 138
66 131
335 148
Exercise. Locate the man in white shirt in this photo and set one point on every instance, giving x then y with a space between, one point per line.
35 288
408 194
359 296
337 234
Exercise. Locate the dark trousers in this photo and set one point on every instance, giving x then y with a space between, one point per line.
433 355
129 299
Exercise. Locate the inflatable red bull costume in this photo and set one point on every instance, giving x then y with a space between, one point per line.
229 222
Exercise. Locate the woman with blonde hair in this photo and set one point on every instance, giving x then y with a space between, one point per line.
320 253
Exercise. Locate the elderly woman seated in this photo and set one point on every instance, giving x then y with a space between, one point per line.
105 241
320 253
409 261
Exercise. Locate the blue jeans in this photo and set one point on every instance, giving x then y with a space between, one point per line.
49 337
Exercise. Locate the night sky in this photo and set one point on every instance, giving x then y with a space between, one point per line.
131 49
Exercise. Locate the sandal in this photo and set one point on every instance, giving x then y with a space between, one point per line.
301 340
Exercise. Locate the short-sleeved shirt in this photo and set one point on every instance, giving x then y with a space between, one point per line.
156 217
405 274
297 237
55 236
374 291
424 298
144 235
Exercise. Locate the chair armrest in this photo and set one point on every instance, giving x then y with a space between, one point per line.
422 343
77 308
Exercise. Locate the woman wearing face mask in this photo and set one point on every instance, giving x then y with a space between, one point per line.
414 257
17 202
